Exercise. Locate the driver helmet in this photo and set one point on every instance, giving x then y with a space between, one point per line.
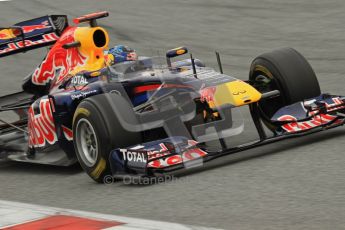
123 53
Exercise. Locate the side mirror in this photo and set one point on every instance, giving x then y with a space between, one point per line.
174 53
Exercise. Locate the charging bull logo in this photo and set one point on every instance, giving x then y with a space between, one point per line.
207 94
29 29
41 126
6 34
51 37
59 61
14 32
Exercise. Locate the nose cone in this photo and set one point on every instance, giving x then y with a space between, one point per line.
236 93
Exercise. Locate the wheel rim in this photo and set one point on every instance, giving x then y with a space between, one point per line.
270 106
86 142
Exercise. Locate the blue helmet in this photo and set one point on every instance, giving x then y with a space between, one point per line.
123 53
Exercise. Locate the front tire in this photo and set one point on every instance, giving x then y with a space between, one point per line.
98 130
285 70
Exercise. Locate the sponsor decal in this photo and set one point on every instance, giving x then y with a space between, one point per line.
41 126
12 33
59 61
158 153
338 104
29 29
10 47
207 94
190 154
6 34
133 156
82 94
316 120
68 133
79 80
18 45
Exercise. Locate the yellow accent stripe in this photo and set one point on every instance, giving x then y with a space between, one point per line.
81 111
99 169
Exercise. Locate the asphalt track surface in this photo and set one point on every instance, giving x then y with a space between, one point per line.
294 184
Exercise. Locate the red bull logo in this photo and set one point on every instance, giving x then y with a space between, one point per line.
20 44
207 94
189 155
17 45
296 126
41 126
29 29
6 34
68 133
14 32
316 118
59 61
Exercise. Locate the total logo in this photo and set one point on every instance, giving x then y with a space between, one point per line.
133 156
79 80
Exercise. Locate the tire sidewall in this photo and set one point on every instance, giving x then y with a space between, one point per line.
292 75
108 114
101 168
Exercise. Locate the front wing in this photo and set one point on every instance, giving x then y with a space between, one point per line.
180 153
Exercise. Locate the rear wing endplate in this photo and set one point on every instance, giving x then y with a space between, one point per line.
31 34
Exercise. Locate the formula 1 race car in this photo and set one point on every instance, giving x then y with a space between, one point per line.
150 116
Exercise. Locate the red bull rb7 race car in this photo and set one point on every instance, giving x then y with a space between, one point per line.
147 116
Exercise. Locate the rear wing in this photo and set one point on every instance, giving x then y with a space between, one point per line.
31 34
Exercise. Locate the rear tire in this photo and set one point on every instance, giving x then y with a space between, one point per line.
97 128
285 70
